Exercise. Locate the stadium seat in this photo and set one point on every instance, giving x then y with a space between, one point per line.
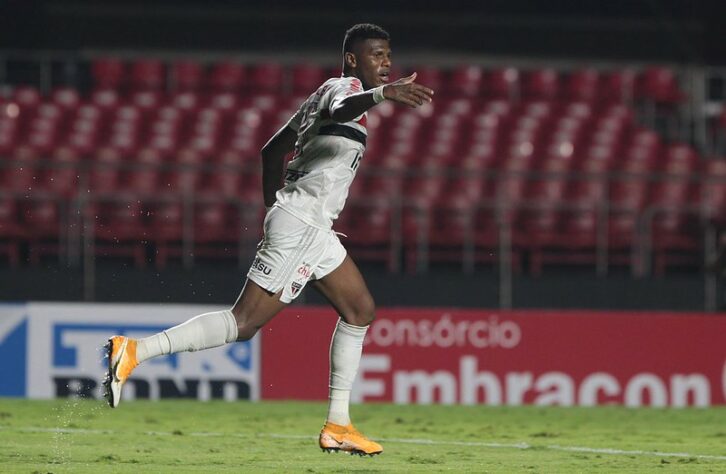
541 84
120 229
583 85
503 84
11 231
660 85
267 77
186 75
713 191
42 221
465 81
105 173
369 232
67 98
61 175
227 76
166 226
619 86
306 78
224 230
143 176
147 74
108 73
27 98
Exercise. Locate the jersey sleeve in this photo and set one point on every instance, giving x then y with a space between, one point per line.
296 119
345 88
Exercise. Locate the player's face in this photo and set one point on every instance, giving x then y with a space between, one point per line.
373 62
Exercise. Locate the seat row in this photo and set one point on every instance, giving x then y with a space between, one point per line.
658 84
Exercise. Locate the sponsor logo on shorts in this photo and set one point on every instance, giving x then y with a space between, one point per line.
258 265
295 287
305 271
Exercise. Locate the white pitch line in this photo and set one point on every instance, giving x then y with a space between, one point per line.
480 444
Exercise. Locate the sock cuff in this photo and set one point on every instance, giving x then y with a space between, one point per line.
352 330
230 325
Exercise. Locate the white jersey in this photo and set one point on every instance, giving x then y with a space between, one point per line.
327 155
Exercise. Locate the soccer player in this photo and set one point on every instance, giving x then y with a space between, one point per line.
328 137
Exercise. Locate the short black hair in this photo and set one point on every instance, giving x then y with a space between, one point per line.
361 32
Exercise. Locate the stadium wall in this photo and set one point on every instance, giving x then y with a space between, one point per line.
412 355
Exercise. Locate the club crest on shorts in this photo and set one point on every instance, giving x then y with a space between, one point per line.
295 287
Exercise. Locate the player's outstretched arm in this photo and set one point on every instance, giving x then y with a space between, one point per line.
273 162
404 91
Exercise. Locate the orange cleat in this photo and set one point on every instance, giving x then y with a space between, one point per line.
121 353
346 438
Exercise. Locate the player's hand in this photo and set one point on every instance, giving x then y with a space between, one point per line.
406 91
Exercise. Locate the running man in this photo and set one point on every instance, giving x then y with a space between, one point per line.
328 137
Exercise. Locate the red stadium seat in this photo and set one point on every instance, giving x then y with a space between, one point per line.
267 78
219 230
227 76
61 176
503 84
541 84
167 229
466 81
120 228
618 86
187 75
185 177
41 218
23 173
11 231
144 176
105 99
146 100
67 98
108 73
660 85
370 236
105 174
583 85
147 74
28 98
429 76
306 78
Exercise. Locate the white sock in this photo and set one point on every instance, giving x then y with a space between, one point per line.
345 351
201 332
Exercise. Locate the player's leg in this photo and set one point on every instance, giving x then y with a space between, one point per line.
254 307
347 292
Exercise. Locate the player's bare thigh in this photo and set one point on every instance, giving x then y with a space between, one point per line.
254 307
346 290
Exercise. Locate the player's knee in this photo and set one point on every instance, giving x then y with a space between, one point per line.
246 329
362 313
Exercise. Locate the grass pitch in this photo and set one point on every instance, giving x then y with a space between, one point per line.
188 436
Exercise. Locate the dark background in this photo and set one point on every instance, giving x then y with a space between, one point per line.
646 30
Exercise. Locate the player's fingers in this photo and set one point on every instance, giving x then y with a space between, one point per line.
417 99
422 95
423 89
407 101
408 80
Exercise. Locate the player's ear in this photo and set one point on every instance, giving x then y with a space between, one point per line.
349 59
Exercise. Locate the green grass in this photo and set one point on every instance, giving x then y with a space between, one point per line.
188 436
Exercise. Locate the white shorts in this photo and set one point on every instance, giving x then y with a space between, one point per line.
293 252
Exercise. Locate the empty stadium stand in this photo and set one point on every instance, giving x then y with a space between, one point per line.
161 159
